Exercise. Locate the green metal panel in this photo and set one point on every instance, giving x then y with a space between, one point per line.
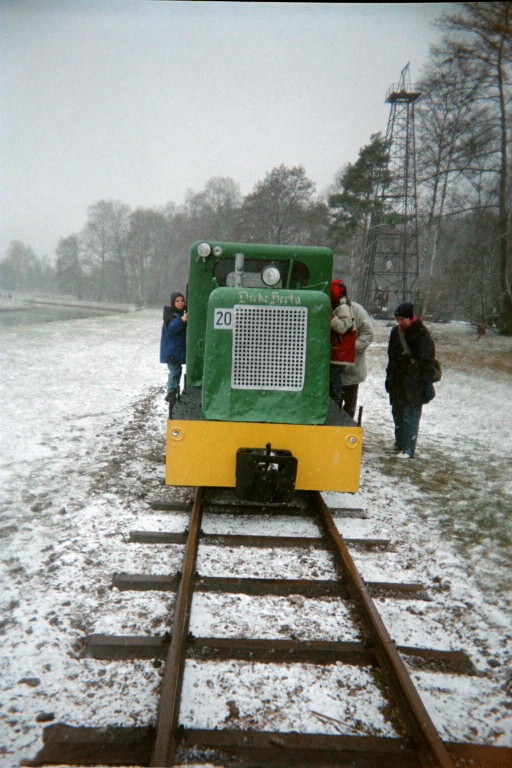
267 356
308 268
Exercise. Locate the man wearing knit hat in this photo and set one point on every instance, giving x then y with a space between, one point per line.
409 376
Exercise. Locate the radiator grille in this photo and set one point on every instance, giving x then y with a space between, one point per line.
269 348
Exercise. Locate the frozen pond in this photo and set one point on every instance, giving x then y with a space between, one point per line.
46 313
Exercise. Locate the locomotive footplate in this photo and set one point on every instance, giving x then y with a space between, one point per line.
263 474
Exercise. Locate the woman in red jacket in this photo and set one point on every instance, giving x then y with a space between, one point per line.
343 338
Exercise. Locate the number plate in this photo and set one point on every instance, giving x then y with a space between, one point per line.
224 319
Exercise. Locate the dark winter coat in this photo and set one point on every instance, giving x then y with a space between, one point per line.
409 377
173 337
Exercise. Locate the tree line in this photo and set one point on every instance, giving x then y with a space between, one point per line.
463 132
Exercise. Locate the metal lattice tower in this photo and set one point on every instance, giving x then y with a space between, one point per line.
391 265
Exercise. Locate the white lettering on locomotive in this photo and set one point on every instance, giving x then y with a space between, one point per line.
276 298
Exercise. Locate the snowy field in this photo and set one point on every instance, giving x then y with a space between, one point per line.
82 423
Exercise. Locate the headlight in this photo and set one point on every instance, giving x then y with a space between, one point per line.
271 276
204 250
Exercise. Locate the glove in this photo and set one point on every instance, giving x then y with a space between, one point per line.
171 359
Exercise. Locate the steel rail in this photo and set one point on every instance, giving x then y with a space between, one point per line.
421 731
167 723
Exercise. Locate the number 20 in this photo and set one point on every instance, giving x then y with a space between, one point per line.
223 318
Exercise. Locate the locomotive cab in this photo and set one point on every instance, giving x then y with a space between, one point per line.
256 413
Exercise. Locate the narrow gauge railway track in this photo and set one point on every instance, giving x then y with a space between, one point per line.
169 743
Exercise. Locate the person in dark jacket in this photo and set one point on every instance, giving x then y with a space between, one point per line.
409 376
173 343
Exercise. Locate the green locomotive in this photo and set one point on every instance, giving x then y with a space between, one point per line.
256 412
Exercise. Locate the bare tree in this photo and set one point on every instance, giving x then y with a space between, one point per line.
104 241
454 135
146 241
21 270
283 209
68 266
480 41
96 245
213 212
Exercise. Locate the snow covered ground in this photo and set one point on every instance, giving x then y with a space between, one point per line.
82 423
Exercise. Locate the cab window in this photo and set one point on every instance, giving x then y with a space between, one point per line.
224 273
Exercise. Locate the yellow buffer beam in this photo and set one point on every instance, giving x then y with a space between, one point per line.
203 453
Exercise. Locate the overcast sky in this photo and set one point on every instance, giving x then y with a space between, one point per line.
143 100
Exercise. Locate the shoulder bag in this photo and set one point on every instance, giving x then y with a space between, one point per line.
438 372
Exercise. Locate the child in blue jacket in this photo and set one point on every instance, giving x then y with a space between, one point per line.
173 343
